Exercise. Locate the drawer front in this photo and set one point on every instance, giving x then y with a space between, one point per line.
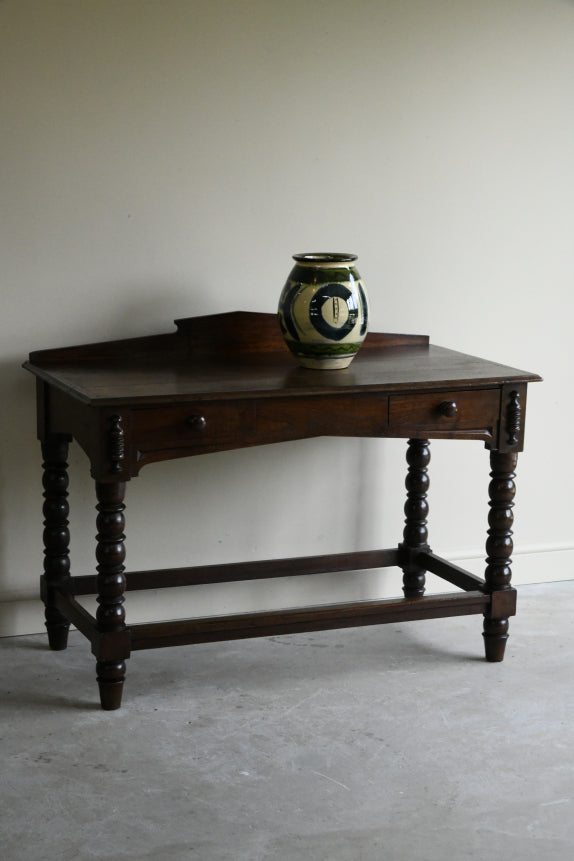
344 415
192 426
445 412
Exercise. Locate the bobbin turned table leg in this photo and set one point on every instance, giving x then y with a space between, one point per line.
416 512
113 645
499 548
56 536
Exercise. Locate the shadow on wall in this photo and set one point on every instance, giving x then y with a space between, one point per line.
19 459
154 310
139 309
145 309
280 500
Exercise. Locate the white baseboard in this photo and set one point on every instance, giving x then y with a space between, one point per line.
23 613
531 565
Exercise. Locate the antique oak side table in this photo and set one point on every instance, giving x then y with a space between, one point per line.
227 381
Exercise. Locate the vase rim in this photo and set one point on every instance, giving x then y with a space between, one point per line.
323 258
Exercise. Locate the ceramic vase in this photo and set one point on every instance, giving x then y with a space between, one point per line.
323 310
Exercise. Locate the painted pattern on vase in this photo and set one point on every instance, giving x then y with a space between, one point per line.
323 310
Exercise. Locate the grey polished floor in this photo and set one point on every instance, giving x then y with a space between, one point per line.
397 742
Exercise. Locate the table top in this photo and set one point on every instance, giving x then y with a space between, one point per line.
242 354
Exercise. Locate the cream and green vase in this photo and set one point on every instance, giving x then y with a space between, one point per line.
323 310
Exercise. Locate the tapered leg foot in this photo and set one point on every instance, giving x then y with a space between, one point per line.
57 627
56 537
111 584
495 636
111 676
499 548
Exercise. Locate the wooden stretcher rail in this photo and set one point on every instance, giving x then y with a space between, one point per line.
298 620
452 573
76 614
236 571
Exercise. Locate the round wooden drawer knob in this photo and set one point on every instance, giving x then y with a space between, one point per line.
448 409
197 423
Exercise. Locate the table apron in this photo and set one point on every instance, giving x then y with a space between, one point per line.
120 441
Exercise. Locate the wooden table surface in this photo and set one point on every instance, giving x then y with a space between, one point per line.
228 381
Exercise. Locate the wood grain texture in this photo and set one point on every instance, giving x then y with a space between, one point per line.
261 569
56 537
162 368
297 620
111 584
499 546
228 381
450 413
415 533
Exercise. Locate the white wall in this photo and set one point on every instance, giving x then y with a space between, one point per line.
164 158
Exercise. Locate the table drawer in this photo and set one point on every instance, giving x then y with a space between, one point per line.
444 411
358 415
192 426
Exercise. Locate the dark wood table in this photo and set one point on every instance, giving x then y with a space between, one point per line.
227 381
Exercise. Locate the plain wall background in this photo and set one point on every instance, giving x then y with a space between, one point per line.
164 158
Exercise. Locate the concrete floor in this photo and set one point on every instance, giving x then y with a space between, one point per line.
388 743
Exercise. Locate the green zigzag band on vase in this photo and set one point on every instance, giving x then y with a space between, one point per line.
323 350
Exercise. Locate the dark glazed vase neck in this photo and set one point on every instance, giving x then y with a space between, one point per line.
324 258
